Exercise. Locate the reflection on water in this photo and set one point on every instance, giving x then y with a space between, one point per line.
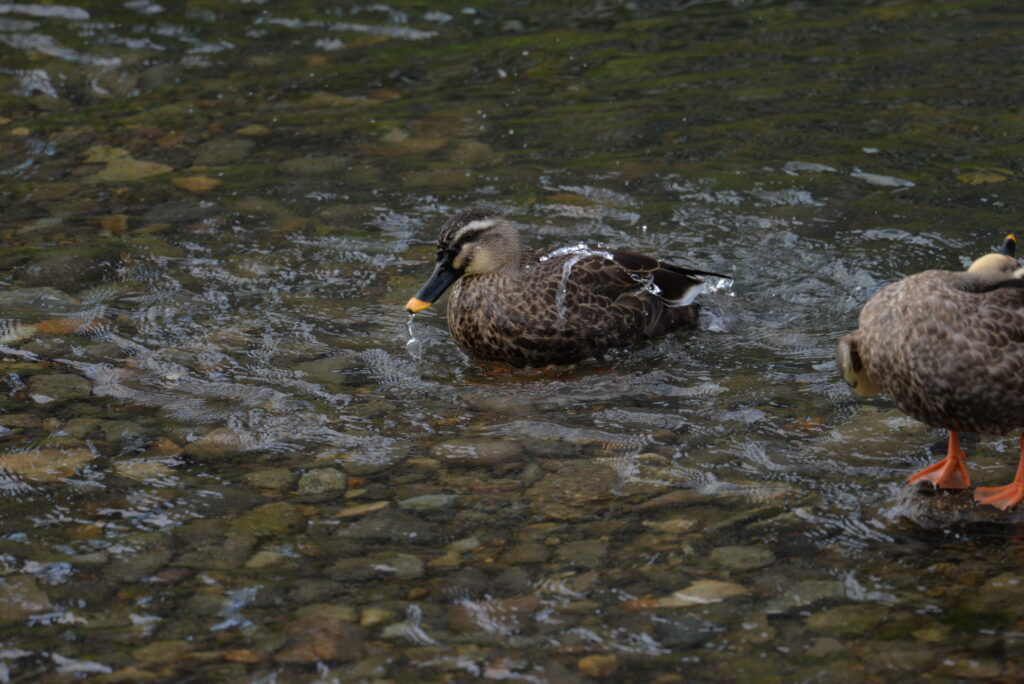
228 453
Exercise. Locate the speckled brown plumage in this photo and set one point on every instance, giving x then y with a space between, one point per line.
948 348
551 307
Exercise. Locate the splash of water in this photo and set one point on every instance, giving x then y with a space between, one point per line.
415 345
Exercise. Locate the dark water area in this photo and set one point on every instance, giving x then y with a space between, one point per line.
228 454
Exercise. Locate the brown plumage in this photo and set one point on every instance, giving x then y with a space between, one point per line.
550 306
948 348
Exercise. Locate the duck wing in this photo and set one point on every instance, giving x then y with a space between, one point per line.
625 271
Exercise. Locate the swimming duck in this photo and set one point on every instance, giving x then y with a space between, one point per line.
550 307
948 348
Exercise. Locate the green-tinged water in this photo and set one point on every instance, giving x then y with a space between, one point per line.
226 454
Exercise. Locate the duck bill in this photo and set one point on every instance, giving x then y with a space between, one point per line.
440 280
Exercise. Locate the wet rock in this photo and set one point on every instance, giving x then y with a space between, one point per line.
265 558
162 652
277 479
598 665
567 493
125 170
225 150
121 433
58 387
338 611
322 638
968 667
428 502
314 166
588 553
671 526
323 481
197 185
512 581
38 299
822 647
372 617
45 465
359 510
468 583
82 428
850 620
701 592
217 443
392 527
270 519
136 566
740 558
142 470
806 593
23 420
387 564
102 154
498 615
20 597
477 452
526 554
254 131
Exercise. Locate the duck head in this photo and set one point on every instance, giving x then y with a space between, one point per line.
999 265
472 242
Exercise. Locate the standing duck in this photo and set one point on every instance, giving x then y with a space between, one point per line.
550 307
948 348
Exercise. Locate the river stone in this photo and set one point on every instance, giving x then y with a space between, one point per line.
118 432
386 564
567 493
322 481
1002 592
742 558
499 615
270 519
216 444
142 470
805 593
971 667
136 566
162 652
321 638
225 150
82 428
124 170
392 527
265 558
682 631
849 620
27 420
598 665
477 452
527 554
314 166
59 386
371 617
428 502
702 592
339 611
587 553
20 597
276 479
38 299
45 465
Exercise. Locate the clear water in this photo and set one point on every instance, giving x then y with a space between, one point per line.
228 455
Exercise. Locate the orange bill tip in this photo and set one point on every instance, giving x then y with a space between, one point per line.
414 305
1011 237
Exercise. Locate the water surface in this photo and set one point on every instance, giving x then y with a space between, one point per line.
222 460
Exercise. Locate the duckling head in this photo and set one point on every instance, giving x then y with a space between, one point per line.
999 265
472 242
849 361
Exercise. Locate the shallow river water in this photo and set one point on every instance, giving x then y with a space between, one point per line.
227 453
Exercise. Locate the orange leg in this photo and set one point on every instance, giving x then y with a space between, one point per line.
1008 495
950 472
